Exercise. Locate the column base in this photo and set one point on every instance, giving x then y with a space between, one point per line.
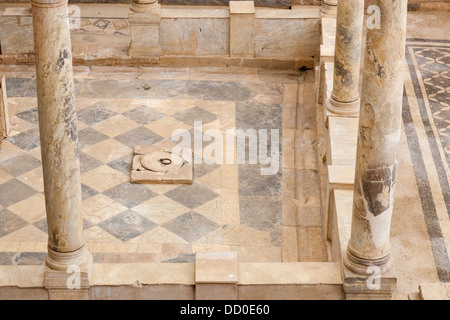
328 10
67 275
372 287
145 33
343 109
363 266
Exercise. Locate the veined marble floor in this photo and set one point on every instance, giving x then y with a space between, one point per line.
229 207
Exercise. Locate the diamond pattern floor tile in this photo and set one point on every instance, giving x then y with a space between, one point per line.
130 195
139 137
195 114
191 226
127 225
95 113
191 196
27 140
10 222
14 191
19 165
144 115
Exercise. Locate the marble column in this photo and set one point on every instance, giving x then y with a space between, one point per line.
344 100
4 116
59 138
379 134
329 7
144 20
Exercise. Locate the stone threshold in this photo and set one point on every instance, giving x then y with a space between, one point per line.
303 280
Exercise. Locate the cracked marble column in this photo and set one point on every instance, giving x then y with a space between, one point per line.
59 143
144 20
329 7
344 100
379 134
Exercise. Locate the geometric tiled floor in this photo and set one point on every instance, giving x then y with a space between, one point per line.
227 207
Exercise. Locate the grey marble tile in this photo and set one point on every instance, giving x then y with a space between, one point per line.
95 113
139 137
127 225
123 164
260 213
191 196
19 165
202 169
87 192
27 140
144 115
258 3
6 258
195 114
89 136
29 259
14 191
130 195
252 183
258 115
182 258
134 88
191 226
217 90
10 222
88 163
30 116
26 87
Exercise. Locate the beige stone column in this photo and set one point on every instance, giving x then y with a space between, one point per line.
59 142
379 135
329 7
144 20
344 100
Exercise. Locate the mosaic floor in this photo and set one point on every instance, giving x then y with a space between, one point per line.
229 206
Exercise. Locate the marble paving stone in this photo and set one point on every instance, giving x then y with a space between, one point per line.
10 222
123 164
252 183
130 195
195 114
95 113
29 258
191 196
87 192
144 115
260 213
42 225
14 191
258 3
191 226
127 225
103 178
34 179
26 87
115 125
257 115
182 258
139 136
27 140
88 163
6 258
89 136
31 209
217 90
108 150
134 88
19 165
30 116
202 169
160 209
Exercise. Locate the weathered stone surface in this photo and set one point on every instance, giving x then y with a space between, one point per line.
379 134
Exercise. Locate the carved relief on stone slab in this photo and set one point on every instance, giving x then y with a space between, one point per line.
158 164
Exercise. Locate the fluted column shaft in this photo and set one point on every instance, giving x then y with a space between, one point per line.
379 135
